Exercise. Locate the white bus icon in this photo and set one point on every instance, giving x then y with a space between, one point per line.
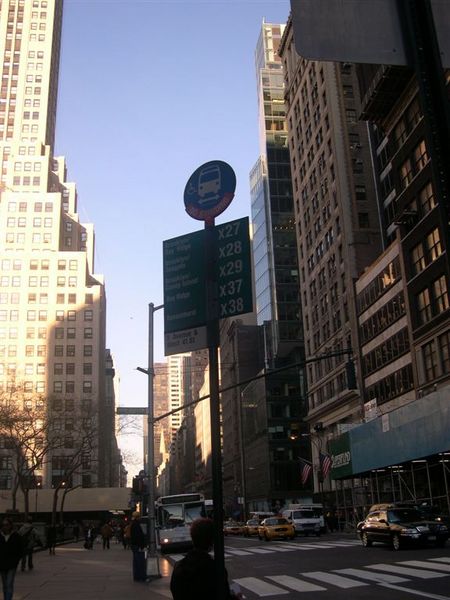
209 183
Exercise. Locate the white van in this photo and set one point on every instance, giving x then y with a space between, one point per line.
305 518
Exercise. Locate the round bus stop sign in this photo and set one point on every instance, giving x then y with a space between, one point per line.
209 190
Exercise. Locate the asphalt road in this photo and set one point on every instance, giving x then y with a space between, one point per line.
335 566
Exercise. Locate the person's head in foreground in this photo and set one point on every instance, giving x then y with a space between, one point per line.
202 534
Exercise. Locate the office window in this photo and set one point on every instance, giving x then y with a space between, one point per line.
42 315
426 198
58 369
31 315
70 369
60 281
363 220
61 265
70 387
88 333
59 350
71 331
441 301
424 306
29 350
59 315
87 350
429 360
60 298
59 333
88 315
406 174
70 350
72 282
71 315
87 387
42 351
434 244
57 387
72 298
444 351
73 265
87 368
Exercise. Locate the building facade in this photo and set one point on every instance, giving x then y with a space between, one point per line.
337 226
52 303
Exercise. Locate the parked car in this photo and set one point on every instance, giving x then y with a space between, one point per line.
232 528
251 527
400 527
276 527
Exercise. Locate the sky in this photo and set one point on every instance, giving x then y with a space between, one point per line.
148 91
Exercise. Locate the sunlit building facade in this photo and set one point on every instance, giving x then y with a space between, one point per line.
52 303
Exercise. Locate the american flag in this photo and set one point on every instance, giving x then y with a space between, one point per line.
325 463
305 471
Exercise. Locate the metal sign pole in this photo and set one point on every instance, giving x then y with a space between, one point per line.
216 450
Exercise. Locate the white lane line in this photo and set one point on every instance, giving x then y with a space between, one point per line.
323 545
293 583
237 552
416 592
284 548
425 563
405 571
261 550
444 559
337 580
379 577
260 587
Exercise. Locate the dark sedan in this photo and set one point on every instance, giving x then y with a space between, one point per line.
400 527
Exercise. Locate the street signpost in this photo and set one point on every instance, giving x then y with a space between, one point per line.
207 276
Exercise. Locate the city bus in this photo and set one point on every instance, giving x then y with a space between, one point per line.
174 516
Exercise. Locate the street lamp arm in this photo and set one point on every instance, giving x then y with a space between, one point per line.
142 370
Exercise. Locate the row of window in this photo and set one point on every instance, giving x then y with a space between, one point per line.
26 180
393 385
436 357
383 318
22 222
70 350
42 315
37 206
58 368
432 300
376 288
69 387
386 352
426 251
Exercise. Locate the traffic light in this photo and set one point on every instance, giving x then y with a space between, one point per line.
351 375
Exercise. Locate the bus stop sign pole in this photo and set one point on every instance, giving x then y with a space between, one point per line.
212 328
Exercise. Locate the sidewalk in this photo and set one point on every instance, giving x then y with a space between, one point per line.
75 573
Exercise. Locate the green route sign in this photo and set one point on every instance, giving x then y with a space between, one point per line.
185 297
234 268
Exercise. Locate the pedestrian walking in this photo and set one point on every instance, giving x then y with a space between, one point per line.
137 542
10 555
89 537
106 532
51 538
194 577
30 540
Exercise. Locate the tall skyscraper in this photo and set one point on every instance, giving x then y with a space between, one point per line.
337 226
273 408
52 303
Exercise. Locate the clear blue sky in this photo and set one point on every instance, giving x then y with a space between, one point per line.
149 90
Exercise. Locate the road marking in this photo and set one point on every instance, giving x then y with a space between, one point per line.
235 551
284 548
260 587
296 584
379 577
416 592
337 580
260 550
444 559
323 545
405 571
426 564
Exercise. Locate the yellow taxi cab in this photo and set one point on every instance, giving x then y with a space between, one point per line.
232 528
276 527
251 527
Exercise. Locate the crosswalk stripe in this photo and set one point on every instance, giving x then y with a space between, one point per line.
426 564
260 550
293 583
337 580
260 587
379 577
405 571
237 552
444 559
284 548
323 545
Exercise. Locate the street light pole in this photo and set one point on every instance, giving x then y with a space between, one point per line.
152 557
